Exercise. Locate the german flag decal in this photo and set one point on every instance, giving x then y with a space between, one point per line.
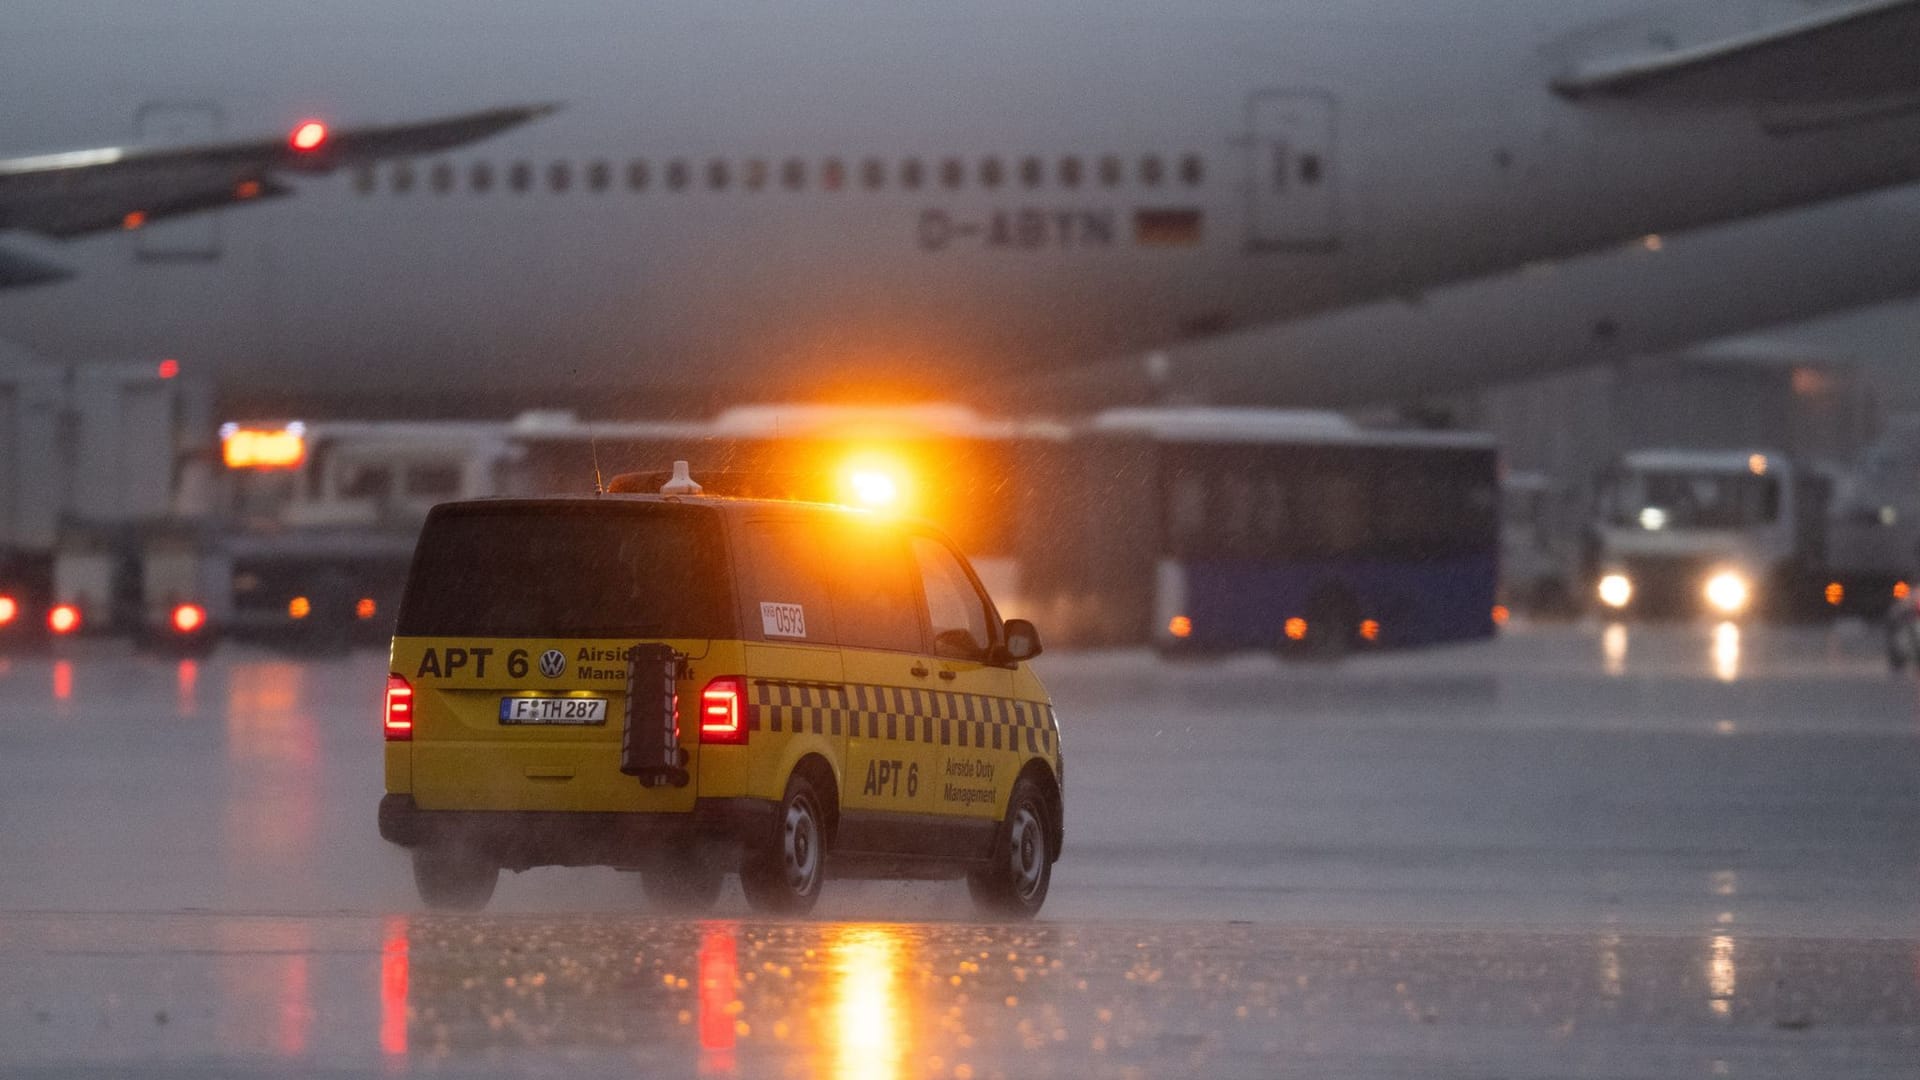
1166 227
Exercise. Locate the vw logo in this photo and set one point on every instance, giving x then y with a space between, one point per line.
552 663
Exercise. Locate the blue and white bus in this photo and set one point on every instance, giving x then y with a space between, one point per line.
1215 529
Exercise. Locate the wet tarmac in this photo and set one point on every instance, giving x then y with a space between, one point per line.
1579 851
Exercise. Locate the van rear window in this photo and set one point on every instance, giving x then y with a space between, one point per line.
588 570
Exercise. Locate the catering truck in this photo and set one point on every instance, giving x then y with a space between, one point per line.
1725 533
93 464
126 510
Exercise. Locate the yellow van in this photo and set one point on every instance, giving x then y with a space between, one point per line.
691 686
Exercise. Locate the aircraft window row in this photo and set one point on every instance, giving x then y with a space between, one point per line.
796 174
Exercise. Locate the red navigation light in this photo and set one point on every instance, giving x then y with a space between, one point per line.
1180 626
169 368
188 618
366 608
309 136
399 719
1296 629
63 619
723 711
9 610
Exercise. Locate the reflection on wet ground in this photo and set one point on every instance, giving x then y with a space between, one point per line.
1689 850
634 996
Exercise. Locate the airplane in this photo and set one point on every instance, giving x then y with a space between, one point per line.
894 198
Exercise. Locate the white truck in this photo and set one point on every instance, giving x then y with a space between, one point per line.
1725 533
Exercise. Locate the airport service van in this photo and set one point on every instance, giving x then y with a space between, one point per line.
691 686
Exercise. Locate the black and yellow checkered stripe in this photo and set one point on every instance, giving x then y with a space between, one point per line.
906 714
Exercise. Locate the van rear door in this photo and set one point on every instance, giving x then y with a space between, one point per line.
516 631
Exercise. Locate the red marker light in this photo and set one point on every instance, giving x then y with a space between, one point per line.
399 718
188 618
723 711
308 136
63 619
9 610
169 368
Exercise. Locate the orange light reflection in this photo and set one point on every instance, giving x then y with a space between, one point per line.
395 966
719 998
869 1033
186 677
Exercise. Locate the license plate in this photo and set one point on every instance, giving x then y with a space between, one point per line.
553 710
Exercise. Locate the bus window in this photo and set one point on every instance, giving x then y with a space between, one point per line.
436 480
1339 524
1186 510
1270 511
1233 512
955 611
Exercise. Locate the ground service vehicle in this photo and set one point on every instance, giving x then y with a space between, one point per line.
690 686
1270 529
1716 532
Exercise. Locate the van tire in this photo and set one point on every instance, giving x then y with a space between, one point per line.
683 887
781 875
452 880
1020 866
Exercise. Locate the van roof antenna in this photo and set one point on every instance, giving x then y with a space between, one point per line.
593 441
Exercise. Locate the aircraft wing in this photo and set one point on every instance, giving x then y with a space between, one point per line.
1862 53
84 191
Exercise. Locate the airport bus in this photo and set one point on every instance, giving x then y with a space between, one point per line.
1214 529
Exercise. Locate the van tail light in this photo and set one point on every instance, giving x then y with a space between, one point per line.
399 718
9 610
723 711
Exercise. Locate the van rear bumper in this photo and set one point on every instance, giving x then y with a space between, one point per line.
521 839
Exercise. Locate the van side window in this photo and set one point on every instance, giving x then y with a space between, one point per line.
955 609
787 559
873 589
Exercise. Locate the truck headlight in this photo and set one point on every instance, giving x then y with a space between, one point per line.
1728 592
1616 590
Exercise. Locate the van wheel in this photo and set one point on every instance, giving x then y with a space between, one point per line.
1021 866
451 880
783 874
683 887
